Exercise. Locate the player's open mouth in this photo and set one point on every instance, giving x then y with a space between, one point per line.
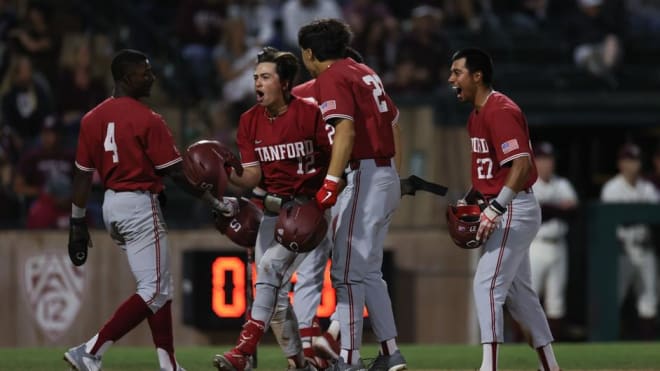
458 91
260 96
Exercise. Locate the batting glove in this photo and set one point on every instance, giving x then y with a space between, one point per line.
231 161
490 219
326 197
79 241
228 207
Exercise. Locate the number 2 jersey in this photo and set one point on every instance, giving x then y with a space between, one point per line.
293 149
126 142
498 134
352 90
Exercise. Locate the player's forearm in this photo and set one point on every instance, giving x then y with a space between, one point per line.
515 181
82 185
250 178
398 147
518 175
341 147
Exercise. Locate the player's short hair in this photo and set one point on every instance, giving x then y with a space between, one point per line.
477 60
124 61
354 54
286 64
328 38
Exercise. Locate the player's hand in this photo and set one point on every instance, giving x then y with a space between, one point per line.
490 219
231 161
327 195
79 241
227 207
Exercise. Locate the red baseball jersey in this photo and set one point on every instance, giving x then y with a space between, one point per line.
126 142
305 90
353 91
293 149
498 134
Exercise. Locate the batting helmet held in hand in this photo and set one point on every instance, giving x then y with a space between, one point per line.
463 223
301 227
203 166
242 228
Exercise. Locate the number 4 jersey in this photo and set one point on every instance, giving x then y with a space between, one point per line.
126 142
351 90
293 149
498 134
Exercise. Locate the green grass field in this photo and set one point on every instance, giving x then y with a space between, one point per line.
576 356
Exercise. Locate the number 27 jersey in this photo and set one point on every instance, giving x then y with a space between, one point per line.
498 134
126 142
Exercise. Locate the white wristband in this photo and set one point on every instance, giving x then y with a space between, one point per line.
77 212
332 178
505 196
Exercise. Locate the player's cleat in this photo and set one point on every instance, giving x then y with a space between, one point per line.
326 346
80 360
316 361
340 365
393 362
232 361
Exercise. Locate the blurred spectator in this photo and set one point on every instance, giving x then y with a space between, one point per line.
529 15
654 176
359 13
10 206
637 264
297 13
594 33
47 160
423 54
52 209
235 61
77 90
376 35
258 19
548 253
8 21
643 18
27 102
36 38
199 28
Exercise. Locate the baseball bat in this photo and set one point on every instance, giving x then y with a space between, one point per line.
249 298
413 183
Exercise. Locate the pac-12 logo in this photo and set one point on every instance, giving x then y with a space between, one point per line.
53 288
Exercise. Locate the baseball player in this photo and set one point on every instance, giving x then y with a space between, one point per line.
352 100
284 149
307 291
638 262
548 252
132 148
503 171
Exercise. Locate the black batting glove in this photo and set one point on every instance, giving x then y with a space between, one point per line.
79 241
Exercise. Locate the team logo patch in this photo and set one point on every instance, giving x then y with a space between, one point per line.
53 288
510 145
328 105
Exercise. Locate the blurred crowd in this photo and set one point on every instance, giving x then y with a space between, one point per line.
54 63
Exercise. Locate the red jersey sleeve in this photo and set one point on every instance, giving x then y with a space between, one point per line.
335 99
324 135
159 146
510 137
245 141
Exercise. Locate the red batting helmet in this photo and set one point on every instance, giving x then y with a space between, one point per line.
463 223
301 227
244 226
203 166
